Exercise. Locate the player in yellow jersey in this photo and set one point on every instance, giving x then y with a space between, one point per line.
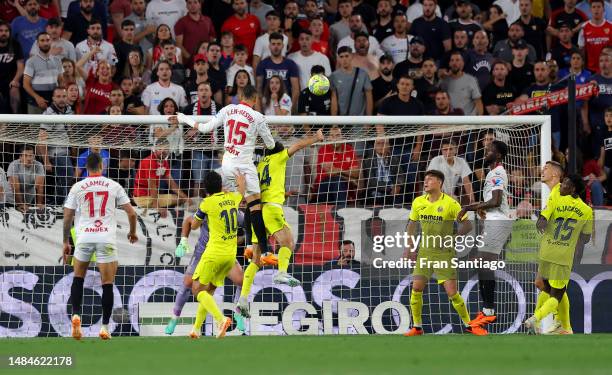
567 224
552 174
221 211
437 214
271 170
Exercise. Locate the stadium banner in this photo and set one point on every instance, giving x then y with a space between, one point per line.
34 238
34 301
553 99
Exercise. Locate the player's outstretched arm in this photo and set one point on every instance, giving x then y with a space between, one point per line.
464 227
131 213
214 123
411 249
305 142
68 218
495 201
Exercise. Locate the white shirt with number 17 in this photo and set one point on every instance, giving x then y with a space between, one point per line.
95 200
241 125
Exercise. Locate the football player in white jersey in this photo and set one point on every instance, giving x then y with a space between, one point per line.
241 126
95 199
497 226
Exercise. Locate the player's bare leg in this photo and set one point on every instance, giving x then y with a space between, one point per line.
416 305
107 273
450 286
561 324
249 276
285 239
549 307
76 295
205 296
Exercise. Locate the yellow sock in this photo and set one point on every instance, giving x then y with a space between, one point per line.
247 281
284 254
416 306
200 318
563 312
459 306
209 303
542 297
549 307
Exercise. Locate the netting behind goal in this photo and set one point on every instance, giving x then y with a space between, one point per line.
356 185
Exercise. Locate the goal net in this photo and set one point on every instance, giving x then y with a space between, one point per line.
343 195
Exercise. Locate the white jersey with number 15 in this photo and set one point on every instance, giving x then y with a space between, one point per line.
241 125
95 200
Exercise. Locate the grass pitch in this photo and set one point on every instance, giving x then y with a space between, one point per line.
375 354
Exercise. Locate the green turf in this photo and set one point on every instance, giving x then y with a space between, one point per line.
375 354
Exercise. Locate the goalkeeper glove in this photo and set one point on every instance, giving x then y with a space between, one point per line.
186 120
182 248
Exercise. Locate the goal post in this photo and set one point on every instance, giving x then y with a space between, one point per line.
384 164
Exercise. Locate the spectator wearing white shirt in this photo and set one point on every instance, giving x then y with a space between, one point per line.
166 12
262 44
415 11
275 100
455 169
154 93
396 45
356 25
94 38
306 58
511 9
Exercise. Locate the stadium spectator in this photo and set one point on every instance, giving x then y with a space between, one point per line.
173 133
117 98
381 176
275 101
216 74
154 93
450 13
260 9
298 168
461 44
521 72
244 26
465 20
154 54
595 177
416 10
262 44
351 87
568 15
123 170
132 101
594 36
462 88
11 70
383 86
199 74
95 48
402 103
341 28
242 78
179 72
585 7
310 104
511 9
202 161
479 60
227 49
362 59
411 66
499 92
443 106
318 43
577 68
144 30
366 11
94 143
534 28
25 28
384 26
396 44
427 85
311 11
26 176
152 171
347 256
457 182
118 10
192 29
52 148
9 11
503 48
166 12
124 46
75 98
135 70
97 86
605 155
59 46
496 25
306 58
562 51
337 170
276 64
356 25
593 118
40 75
433 29
80 14
239 63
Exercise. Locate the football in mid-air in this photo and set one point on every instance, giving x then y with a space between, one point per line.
318 84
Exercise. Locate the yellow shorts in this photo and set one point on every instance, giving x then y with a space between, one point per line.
213 270
557 275
440 264
274 219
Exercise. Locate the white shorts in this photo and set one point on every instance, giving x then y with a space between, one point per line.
495 234
105 252
250 174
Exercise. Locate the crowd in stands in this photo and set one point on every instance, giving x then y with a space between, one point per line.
382 57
